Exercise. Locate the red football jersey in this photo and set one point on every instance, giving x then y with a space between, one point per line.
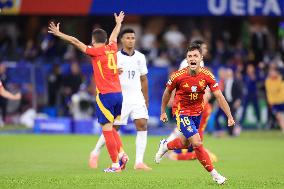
104 63
190 90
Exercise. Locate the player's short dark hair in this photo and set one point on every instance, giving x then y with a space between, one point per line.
124 31
194 46
198 41
99 35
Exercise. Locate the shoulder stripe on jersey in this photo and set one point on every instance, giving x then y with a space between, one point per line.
177 74
206 72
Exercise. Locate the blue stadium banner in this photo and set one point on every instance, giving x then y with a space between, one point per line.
191 7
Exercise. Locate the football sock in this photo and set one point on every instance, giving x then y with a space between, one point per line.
186 156
111 146
141 142
100 144
203 158
173 135
176 144
118 141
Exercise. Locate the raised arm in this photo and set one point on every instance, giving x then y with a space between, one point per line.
224 106
116 30
165 100
54 29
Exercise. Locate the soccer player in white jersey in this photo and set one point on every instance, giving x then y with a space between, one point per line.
134 83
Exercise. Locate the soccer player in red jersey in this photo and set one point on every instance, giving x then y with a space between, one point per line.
109 96
190 84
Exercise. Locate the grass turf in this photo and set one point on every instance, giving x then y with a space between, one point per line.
254 160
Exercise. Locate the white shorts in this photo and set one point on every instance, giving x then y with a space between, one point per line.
135 111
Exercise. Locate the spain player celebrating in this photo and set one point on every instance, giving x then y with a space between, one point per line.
190 84
109 96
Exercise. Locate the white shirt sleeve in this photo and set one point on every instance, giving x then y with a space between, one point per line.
183 64
143 66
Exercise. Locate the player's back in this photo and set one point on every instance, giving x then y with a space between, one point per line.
104 60
134 67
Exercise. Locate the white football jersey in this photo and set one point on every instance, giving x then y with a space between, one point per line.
184 64
133 67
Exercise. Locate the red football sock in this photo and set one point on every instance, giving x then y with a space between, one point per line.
187 156
203 158
118 140
111 145
176 144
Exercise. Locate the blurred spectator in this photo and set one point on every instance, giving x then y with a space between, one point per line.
54 85
81 106
70 53
31 51
233 95
219 112
70 85
46 43
162 60
258 42
173 37
275 94
5 44
221 54
251 93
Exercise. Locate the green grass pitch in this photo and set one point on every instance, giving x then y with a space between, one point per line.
254 160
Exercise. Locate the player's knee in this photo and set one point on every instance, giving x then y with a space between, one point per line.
142 127
197 143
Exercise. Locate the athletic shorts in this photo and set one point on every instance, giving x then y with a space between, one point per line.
188 125
108 107
134 111
278 108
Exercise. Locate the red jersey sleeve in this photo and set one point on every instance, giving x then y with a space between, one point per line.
172 82
112 46
91 51
211 82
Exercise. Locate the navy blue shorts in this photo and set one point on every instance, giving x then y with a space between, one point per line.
188 125
278 108
108 107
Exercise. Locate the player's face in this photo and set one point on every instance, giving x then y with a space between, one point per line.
204 49
128 40
193 59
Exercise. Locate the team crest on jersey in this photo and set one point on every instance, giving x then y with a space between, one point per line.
189 128
186 85
194 89
202 83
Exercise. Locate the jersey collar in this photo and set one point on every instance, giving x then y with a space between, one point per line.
126 54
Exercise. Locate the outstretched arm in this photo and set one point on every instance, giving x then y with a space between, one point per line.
165 100
224 106
54 29
7 94
116 30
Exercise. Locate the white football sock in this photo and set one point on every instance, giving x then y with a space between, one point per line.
100 144
173 135
141 142
214 173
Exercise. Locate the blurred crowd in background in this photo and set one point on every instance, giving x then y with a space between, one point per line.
245 54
